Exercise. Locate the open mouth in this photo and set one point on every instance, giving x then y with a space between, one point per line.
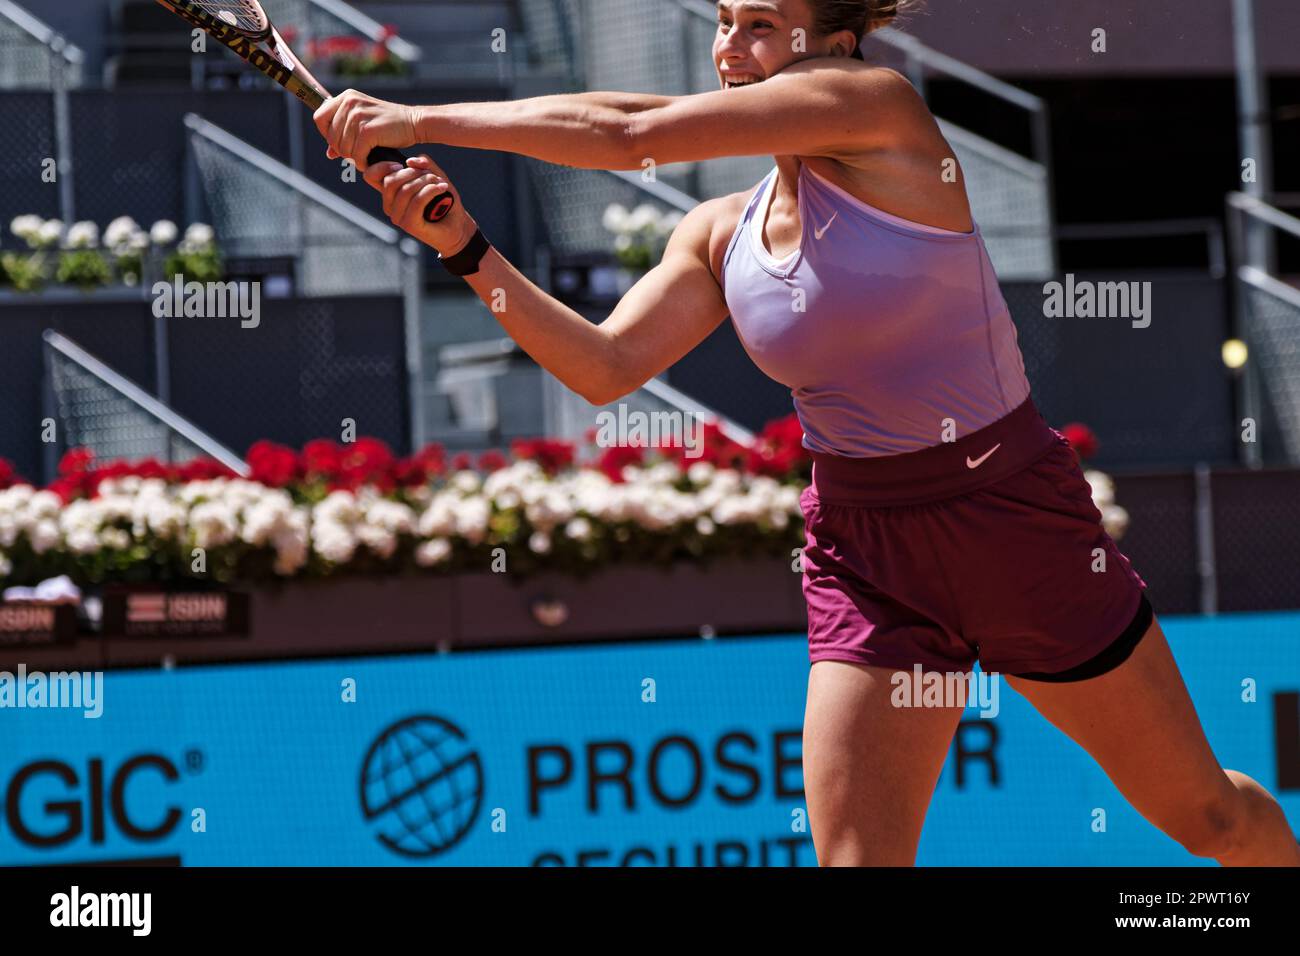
733 82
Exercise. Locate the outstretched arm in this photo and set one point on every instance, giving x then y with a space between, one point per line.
582 130
818 107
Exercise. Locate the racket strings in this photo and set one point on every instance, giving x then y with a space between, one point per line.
246 16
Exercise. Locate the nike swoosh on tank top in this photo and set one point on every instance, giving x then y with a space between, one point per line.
881 327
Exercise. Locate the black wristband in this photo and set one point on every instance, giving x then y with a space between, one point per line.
466 262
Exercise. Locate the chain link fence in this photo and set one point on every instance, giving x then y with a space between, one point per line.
104 412
261 209
32 56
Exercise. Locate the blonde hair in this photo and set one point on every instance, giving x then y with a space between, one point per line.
857 16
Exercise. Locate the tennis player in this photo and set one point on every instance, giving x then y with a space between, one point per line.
946 522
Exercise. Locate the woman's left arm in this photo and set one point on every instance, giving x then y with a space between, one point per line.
812 108
583 130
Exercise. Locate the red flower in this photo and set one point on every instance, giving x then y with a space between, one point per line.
778 450
150 468
369 458
9 477
273 465
1081 439
321 458
462 462
551 454
201 469
715 448
613 460
422 467
491 461
76 460
66 488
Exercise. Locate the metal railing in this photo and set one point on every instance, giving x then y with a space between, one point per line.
480 380
263 209
314 19
34 57
101 410
1267 314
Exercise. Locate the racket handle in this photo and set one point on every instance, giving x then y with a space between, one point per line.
438 208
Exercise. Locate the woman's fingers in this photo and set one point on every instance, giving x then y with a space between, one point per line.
414 217
404 194
376 173
394 183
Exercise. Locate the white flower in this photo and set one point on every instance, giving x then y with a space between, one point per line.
115 539
579 529
6 566
26 227
615 218
119 233
163 233
704 525
48 235
199 235
1114 520
334 542
644 217
466 482
82 235
1103 488
670 222
213 524
472 519
433 552
43 535
700 473
624 242
539 542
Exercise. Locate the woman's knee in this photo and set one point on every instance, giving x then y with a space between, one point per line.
1211 828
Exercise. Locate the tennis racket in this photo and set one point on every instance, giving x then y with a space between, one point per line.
243 26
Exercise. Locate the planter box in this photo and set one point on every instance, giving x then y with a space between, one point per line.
362 616
65 294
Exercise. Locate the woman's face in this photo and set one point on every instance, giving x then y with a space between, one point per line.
759 38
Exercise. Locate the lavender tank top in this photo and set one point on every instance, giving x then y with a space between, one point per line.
882 328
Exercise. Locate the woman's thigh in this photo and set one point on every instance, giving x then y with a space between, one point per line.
870 768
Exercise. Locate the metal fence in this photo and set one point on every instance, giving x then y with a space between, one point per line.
316 19
98 409
260 208
1268 321
34 58
495 393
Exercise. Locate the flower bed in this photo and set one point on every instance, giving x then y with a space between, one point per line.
357 509
125 254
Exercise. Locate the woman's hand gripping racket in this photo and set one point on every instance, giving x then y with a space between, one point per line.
243 26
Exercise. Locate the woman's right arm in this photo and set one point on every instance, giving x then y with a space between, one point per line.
673 308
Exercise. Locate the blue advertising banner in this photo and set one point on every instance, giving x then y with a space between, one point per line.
656 753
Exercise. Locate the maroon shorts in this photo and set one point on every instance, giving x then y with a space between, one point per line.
987 548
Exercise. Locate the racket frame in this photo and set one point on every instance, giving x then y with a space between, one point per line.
270 55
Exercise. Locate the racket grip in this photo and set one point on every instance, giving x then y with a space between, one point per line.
438 207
